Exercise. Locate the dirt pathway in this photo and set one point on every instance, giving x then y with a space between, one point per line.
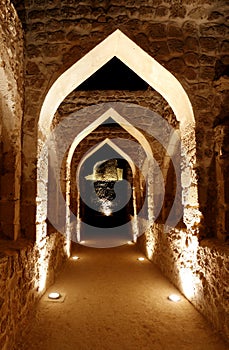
114 302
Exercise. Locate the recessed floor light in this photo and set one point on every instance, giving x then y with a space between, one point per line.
54 296
174 297
141 258
75 258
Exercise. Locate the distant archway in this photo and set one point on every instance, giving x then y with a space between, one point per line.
103 197
131 130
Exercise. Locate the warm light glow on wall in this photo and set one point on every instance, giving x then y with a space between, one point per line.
134 223
149 251
42 265
130 242
150 243
68 235
189 282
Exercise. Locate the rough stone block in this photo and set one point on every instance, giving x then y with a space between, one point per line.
190 74
207 60
173 30
175 45
157 30
214 30
159 49
191 44
32 68
208 44
198 13
207 73
36 15
190 28
177 10
191 59
176 65
162 11
57 36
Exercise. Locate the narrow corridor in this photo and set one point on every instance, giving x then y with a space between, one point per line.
113 301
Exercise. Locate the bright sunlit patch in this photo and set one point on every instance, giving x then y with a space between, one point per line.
75 257
82 242
130 242
54 296
141 258
174 297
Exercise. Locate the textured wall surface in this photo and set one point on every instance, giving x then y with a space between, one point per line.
201 271
20 270
222 171
188 38
11 110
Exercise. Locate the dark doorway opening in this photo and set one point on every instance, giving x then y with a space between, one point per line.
114 75
107 199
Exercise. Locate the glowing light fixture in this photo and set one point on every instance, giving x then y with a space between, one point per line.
174 297
75 257
105 207
54 296
130 242
107 211
82 242
141 258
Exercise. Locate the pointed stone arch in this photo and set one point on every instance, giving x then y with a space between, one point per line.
114 147
125 124
125 156
132 130
119 45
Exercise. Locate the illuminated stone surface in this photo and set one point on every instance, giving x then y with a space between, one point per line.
190 41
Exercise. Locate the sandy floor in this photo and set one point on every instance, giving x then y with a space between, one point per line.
115 302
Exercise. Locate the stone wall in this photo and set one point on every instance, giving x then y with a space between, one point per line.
11 110
221 174
21 270
26 268
199 270
187 38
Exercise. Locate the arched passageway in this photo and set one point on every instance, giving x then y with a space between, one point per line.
117 44
112 136
164 145
49 72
